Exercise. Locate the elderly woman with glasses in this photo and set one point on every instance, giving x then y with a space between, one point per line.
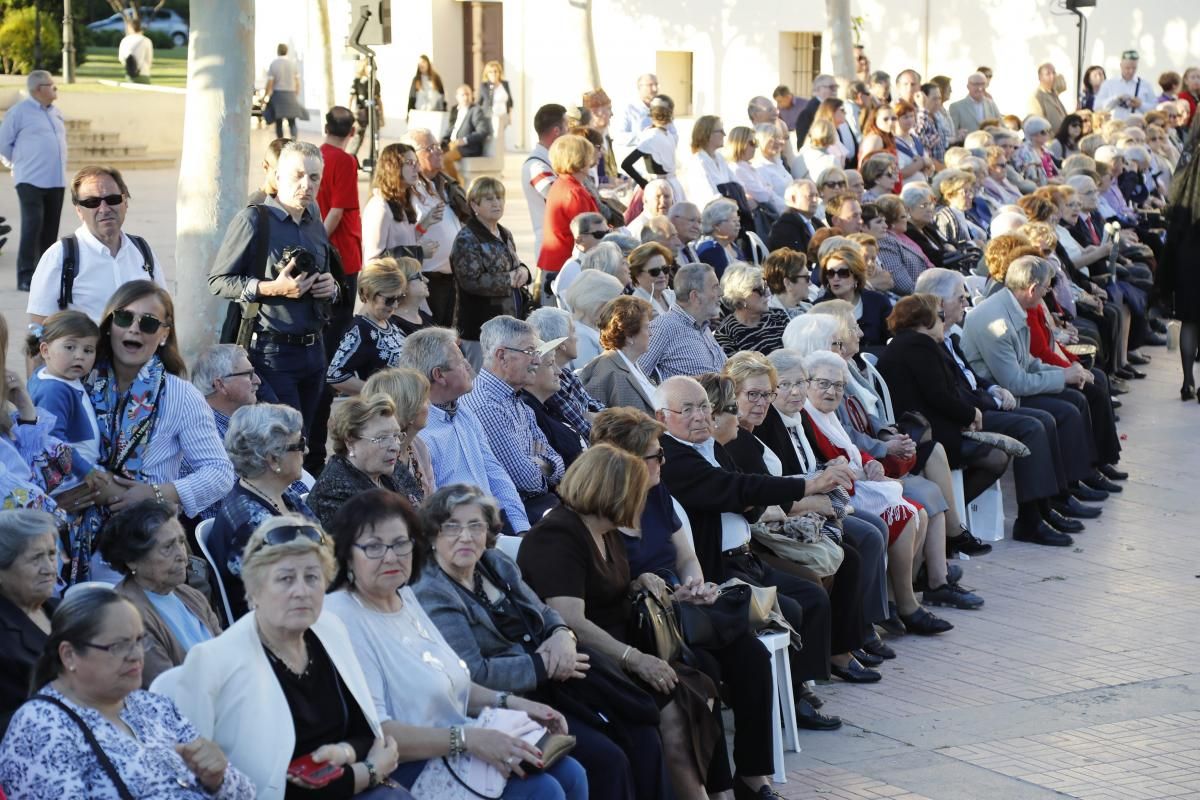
267 450
281 691
420 688
614 377
148 546
898 253
28 561
788 278
953 218
844 273
545 382
721 225
373 340
753 324
919 201
650 275
367 441
408 389
515 644
89 730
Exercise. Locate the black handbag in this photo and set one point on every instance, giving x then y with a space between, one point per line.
654 627
715 626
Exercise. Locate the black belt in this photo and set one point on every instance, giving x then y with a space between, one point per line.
303 339
743 550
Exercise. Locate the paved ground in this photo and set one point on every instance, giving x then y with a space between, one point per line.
1077 679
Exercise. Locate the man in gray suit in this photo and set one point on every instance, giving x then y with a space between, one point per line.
995 342
973 109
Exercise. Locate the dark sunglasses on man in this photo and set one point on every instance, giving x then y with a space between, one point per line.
111 200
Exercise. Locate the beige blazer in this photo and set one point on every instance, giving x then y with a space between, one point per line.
163 650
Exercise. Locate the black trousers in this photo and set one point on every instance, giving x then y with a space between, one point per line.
1041 474
743 671
1074 430
804 605
618 774
40 212
441 298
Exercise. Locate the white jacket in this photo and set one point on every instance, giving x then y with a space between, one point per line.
227 689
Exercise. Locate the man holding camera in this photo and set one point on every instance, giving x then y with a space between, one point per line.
1127 94
276 261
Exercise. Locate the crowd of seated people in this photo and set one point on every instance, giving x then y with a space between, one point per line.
769 376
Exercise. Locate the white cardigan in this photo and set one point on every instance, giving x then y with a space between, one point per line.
227 689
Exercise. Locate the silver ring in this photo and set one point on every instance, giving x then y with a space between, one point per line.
511 759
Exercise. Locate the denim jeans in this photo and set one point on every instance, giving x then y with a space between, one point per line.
295 374
40 212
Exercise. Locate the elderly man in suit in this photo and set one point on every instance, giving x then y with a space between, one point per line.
796 226
470 129
973 109
996 344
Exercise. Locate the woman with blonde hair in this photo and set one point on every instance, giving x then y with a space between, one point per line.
373 341
741 148
768 159
408 390
495 97
818 153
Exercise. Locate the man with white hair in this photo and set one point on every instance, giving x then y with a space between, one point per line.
458 446
972 110
657 199
571 402
33 144
824 87
511 355
636 117
704 479
686 218
761 110
1128 94
588 229
1045 101
796 226
682 340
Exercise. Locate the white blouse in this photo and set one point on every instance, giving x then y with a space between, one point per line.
755 186
381 231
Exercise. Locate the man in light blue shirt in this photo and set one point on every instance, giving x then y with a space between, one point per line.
33 142
458 446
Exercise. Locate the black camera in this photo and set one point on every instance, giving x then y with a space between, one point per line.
306 263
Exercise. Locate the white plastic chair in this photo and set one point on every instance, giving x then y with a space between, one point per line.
203 531
783 701
79 587
509 545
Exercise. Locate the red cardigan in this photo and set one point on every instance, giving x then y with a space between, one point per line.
568 199
1041 340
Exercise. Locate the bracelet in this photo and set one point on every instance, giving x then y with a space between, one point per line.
421 230
158 495
372 775
458 740
27 421
625 655
502 699
351 756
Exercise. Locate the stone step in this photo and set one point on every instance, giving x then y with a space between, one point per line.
125 163
105 150
79 124
88 137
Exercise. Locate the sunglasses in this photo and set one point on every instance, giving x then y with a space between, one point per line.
147 323
246 373
654 272
298 447
843 272
391 300
835 184
111 200
597 235
290 533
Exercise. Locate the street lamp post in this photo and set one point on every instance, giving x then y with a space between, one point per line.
68 41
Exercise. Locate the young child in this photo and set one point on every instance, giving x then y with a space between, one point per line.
67 345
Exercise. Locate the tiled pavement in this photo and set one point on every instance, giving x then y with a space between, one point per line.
1078 678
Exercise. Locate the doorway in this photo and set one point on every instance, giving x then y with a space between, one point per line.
483 38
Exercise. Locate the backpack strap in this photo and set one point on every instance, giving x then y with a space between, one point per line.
70 259
262 241
147 257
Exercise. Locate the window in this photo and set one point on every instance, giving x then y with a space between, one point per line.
674 70
800 60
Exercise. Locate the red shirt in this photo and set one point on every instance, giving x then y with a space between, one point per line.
1041 340
339 189
568 198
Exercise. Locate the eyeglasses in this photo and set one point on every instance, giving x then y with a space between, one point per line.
597 235
419 277
843 272
110 200
429 148
246 373
691 409
837 343
660 457
290 533
654 272
454 530
834 185
531 352
729 409
803 276
942 314
786 387
122 648
377 550
147 323
391 299
384 439
825 385
755 396
409 162
297 447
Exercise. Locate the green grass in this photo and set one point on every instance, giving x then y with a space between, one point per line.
169 67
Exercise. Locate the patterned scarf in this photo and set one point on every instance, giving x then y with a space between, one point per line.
126 420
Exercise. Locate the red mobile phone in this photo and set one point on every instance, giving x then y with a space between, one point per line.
313 773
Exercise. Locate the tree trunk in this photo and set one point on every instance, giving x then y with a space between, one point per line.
326 54
841 52
214 168
588 40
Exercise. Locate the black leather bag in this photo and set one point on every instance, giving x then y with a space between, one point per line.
718 625
654 627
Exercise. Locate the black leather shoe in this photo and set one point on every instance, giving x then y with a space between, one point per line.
743 792
967 543
806 693
1115 404
1136 373
1157 325
809 718
1126 372
925 623
892 624
1117 385
855 673
1112 473
867 659
1074 509
22 286
1100 483
1137 359
1042 534
1087 494
1062 523
1187 393
877 647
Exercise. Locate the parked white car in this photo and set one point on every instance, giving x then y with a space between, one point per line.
164 21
